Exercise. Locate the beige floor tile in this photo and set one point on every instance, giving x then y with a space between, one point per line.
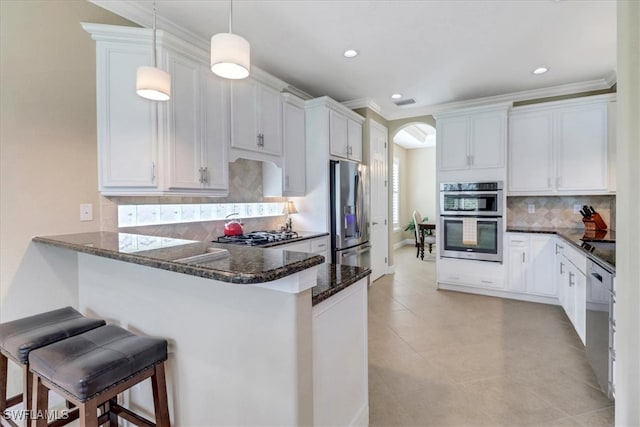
449 358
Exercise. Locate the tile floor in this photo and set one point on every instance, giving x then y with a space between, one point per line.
442 358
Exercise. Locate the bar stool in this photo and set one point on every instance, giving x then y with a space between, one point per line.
91 369
19 337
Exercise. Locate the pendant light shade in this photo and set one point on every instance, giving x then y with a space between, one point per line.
152 82
230 56
230 53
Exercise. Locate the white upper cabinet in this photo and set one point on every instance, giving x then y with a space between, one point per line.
563 147
196 128
150 147
127 136
354 140
183 125
531 151
345 136
290 180
256 120
472 138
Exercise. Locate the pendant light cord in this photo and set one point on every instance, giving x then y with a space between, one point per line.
155 59
231 16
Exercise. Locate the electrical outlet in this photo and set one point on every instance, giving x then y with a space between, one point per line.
531 208
86 212
576 208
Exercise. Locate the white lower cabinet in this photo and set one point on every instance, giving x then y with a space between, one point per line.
572 282
317 245
340 358
529 259
453 273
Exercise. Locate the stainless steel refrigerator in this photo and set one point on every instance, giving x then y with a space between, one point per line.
349 214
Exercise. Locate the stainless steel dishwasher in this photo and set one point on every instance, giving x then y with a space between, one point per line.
601 326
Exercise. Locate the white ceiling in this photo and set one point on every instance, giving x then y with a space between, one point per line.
441 53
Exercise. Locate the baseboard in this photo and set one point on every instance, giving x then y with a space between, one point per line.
498 293
362 417
391 269
404 242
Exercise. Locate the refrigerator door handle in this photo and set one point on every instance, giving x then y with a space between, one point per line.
352 252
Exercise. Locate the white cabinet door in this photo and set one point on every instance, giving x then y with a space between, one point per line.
338 134
269 112
582 148
530 152
541 274
183 124
127 137
453 138
244 119
518 260
354 138
256 117
581 306
294 150
487 140
215 131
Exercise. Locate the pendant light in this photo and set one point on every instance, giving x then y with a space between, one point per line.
230 53
152 82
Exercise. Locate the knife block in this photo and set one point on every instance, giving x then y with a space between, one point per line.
594 222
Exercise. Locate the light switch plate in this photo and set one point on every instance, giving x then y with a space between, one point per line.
531 208
86 212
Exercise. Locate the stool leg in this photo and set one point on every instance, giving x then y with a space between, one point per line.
28 392
89 413
160 404
40 402
3 383
113 418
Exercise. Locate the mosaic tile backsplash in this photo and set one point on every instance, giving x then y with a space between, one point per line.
557 211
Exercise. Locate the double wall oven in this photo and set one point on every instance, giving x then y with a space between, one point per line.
471 220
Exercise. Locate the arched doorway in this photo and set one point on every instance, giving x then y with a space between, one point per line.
413 174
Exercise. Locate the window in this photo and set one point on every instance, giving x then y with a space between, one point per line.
395 182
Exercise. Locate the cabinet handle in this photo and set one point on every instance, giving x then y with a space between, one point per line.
559 248
200 172
571 281
322 245
260 140
153 171
205 179
562 268
522 256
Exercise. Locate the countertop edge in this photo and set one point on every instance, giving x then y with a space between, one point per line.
328 293
605 264
203 272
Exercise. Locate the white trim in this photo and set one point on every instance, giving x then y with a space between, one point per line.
362 417
568 89
327 102
498 293
607 97
363 103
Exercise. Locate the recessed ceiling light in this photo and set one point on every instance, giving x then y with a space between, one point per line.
350 53
396 96
540 70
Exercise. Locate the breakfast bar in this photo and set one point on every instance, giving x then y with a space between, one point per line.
251 331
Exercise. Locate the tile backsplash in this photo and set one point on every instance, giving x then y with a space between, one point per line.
557 211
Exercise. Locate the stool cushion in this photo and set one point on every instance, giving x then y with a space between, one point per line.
90 363
19 337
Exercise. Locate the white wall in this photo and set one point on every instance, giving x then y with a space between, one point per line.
422 179
404 208
628 204
47 145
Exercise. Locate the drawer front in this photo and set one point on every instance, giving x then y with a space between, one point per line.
319 245
576 258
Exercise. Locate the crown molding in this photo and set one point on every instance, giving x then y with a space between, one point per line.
525 95
363 103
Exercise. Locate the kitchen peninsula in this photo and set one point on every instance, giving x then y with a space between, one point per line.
256 336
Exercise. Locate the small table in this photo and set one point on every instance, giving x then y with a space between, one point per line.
423 226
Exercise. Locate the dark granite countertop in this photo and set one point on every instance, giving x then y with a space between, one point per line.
332 278
243 265
581 238
302 235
